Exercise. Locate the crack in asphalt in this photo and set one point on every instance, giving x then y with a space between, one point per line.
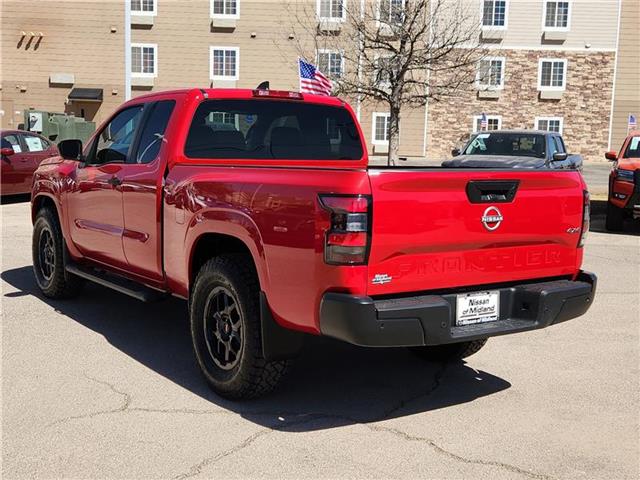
126 401
454 456
197 468
126 407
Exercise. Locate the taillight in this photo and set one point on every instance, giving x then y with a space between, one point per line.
347 240
586 212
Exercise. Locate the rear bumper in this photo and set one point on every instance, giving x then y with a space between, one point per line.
430 319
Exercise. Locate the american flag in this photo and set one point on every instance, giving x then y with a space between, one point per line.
633 123
312 80
483 122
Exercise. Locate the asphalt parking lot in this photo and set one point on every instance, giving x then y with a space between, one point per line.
106 387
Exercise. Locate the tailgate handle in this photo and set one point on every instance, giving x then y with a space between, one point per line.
492 191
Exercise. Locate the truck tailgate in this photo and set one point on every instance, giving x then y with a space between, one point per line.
436 229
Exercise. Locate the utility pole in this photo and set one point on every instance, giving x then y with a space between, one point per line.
127 50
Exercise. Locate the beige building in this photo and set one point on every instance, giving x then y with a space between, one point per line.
626 87
553 63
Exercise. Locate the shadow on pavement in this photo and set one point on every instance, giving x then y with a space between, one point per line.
598 216
331 384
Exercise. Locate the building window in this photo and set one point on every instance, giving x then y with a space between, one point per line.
384 70
391 12
333 129
224 63
331 9
494 14
144 60
225 118
330 63
381 128
494 122
144 7
549 124
556 15
220 120
490 74
225 8
552 74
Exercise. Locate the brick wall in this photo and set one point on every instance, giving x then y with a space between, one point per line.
585 104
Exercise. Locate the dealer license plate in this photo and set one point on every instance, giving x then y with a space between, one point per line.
479 307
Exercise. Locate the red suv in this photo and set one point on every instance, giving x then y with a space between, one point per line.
22 153
624 183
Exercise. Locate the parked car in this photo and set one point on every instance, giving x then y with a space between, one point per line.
279 228
624 183
21 153
514 149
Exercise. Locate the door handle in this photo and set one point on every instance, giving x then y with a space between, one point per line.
114 181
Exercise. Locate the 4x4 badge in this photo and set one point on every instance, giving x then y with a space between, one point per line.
381 279
492 218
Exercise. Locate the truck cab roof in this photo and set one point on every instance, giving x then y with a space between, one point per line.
242 93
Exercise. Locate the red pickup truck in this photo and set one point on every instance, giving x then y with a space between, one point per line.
260 209
624 183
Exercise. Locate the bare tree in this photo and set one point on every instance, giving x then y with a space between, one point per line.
399 52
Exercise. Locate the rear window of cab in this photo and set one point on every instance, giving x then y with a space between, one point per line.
272 129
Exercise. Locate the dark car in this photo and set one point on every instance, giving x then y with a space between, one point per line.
516 149
22 153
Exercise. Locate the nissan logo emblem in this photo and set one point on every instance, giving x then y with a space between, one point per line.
492 218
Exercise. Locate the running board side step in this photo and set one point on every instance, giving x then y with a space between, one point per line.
117 283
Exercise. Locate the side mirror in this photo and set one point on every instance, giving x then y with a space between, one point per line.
611 156
455 152
7 151
559 157
70 149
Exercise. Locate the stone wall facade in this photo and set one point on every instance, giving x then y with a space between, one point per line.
585 105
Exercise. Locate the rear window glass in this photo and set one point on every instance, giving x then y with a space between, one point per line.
267 129
512 144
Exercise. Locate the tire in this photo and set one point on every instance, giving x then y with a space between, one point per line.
225 329
615 218
48 258
451 352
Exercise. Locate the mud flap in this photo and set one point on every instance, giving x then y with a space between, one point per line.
278 343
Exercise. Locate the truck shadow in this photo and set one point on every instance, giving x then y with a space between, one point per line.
598 218
331 384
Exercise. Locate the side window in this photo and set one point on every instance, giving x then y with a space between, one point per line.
114 140
633 148
12 141
153 132
34 144
560 144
